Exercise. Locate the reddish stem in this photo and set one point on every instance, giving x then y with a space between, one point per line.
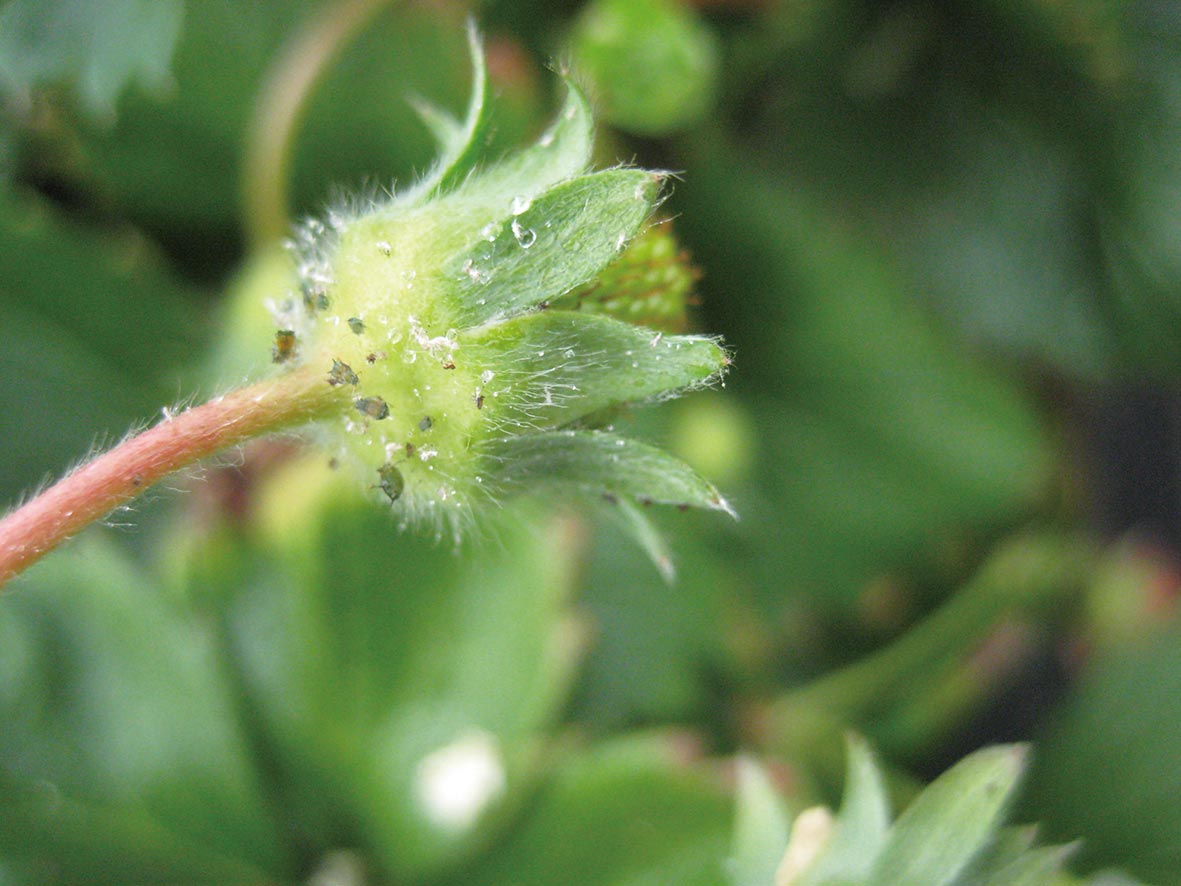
119 475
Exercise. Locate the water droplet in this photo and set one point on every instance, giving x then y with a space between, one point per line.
487 375
490 231
384 248
409 355
568 354
520 204
526 237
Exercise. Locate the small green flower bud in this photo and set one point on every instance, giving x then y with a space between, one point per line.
446 312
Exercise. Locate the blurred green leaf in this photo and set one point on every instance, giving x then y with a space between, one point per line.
626 813
861 826
1108 770
95 337
122 760
101 46
950 822
673 633
760 829
880 433
401 687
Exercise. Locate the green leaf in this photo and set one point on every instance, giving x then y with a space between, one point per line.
96 333
761 828
861 826
462 145
627 813
1107 772
953 819
101 46
404 684
597 464
539 249
562 366
121 757
881 433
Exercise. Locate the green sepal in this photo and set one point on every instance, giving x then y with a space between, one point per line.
1032 867
461 144
596 463
761 827
556 367
950 822
861 826
638 526
540 249
562 152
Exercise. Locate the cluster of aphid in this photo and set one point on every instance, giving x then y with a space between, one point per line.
455 323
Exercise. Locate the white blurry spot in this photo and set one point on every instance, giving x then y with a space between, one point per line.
490 231
340 867
384 248
620 241
519 205
526 237
547 139
487 375
455 783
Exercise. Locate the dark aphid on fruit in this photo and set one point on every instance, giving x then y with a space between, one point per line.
357 325
426 424
392 482
284 348
341 374
373 407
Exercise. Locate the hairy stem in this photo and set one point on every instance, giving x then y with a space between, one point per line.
119 475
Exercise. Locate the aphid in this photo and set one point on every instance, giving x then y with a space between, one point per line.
284 348
341 374
425 424
357 325
392 481
450 364
479 400
314 299
374 407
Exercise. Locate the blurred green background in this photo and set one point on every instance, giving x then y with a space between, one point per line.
944 242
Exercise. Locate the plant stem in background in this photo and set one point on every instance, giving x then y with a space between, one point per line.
280 106
121 474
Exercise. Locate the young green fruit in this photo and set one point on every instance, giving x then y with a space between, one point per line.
445 312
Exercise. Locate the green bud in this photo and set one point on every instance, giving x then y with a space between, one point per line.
652 64
442 310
